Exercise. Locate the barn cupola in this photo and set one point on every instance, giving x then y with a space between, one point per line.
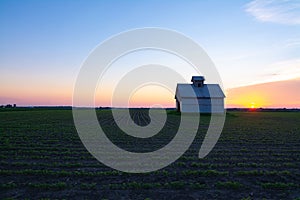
198 81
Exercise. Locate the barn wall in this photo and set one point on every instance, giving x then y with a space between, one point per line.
178 108
218 105
198 101
191 105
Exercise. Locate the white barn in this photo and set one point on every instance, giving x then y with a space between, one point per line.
208 98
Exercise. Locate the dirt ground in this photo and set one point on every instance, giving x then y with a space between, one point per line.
256 157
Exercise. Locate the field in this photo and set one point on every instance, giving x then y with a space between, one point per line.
256 157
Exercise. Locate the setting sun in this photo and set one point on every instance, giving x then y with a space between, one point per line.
247 97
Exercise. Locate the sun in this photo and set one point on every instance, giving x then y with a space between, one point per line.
252 106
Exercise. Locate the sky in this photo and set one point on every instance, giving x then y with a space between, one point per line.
255 45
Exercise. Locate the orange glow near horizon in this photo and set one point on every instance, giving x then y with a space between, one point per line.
247 98
149 96
146 96
281 94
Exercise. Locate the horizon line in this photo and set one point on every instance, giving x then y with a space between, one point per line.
141 107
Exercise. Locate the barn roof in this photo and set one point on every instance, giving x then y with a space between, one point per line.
197 78
207 91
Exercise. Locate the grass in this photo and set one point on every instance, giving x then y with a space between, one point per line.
204 173
229 185
279 185
9 185
260 173
198 185
88 186
175 185
134 185
49 186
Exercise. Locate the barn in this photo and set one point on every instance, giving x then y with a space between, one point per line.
199 97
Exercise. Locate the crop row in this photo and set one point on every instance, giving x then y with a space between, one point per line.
142 185
162 172
84 154
181 164
244 165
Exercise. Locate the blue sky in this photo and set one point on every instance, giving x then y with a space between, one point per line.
43 43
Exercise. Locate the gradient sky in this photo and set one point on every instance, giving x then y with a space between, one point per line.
44 43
